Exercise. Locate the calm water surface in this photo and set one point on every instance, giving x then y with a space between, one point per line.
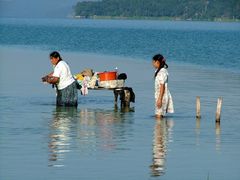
211 44
99 141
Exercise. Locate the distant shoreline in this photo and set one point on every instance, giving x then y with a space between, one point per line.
165 18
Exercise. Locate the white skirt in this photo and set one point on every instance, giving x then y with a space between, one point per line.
167 104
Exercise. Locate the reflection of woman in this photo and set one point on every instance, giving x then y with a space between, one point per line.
160 140
60 132
64 81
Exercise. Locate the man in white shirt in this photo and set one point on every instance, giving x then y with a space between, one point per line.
64 81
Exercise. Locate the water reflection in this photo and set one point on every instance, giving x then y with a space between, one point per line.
87 131
60 130
197 130
162 136
218 136
103 130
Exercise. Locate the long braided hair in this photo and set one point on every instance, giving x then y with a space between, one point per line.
162 61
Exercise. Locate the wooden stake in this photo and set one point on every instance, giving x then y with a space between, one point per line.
198 108
219 108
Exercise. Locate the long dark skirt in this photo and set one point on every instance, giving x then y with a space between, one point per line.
68 96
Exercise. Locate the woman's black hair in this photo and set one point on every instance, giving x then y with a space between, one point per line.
55 54
161 60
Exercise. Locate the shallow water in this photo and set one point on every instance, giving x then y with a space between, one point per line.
100 141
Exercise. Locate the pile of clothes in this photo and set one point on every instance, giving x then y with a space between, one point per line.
86 79
89 79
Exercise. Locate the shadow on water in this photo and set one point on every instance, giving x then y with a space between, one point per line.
161 137
87 131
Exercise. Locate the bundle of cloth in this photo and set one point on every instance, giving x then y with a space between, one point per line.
89 79
86 79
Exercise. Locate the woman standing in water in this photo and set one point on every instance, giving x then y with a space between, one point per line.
163 98
64 81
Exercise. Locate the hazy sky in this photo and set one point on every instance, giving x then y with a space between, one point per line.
36 8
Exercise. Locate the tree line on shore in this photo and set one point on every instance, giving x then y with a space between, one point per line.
182 9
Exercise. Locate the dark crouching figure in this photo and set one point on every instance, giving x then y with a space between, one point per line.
62 78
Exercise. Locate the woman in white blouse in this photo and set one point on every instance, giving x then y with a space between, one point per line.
64 81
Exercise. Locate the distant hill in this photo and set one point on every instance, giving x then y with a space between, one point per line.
174 9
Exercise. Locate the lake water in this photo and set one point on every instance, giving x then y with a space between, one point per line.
210 44
99 141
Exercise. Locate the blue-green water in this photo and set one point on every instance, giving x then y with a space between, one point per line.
98 141
210 44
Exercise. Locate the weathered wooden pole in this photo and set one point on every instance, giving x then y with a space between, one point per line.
219 109
198 108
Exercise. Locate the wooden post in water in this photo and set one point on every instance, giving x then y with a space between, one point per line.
198 108
219 108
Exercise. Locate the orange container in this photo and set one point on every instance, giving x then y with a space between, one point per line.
107 76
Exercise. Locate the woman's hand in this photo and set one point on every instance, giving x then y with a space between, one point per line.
44 79
50 79
159 103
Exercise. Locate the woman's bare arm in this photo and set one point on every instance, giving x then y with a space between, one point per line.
160 97
50 79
